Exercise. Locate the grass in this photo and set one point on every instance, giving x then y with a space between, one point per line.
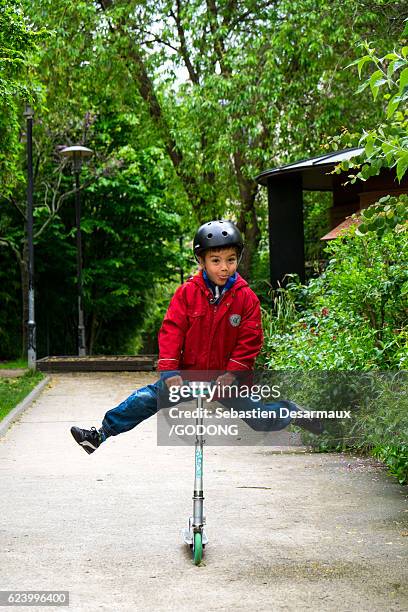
13 365
14 390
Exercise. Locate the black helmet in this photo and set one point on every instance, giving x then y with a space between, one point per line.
216 234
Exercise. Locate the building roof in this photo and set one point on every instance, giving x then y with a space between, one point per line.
341 228
314 171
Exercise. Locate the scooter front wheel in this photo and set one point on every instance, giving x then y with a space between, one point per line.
198 548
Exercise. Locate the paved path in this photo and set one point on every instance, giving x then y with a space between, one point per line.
322 532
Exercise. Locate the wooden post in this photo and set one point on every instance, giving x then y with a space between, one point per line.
286 239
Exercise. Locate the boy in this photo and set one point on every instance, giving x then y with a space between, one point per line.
213 323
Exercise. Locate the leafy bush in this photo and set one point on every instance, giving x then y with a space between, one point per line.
356 315
352 321
396 458
353 316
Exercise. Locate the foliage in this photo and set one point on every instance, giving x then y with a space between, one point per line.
18 42
221 85
13 365
10 324
395 458
316 206
128 227
130 233
89 103
354 315
385 145
390 213
157 305
211 93
378 406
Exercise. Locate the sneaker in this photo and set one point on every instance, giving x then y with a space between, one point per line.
315 426
89 439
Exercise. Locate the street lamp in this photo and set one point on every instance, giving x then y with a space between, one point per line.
31 348
77 155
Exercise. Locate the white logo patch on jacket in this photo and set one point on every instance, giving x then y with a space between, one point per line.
235 320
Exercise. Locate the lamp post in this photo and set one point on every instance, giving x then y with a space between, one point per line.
31 340
77 155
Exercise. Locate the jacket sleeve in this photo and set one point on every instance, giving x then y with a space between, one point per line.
172 333
250 338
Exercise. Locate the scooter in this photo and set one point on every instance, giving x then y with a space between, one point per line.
194 535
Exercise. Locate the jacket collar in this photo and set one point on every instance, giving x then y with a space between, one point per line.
218 290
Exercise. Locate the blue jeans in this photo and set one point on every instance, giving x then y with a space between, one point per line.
143 403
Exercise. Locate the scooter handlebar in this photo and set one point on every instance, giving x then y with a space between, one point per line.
201 387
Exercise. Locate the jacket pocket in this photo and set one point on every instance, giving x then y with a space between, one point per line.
194 313
253 325
255 329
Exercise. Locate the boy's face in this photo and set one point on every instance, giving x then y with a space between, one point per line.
219 265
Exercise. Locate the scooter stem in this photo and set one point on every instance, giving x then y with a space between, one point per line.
198 497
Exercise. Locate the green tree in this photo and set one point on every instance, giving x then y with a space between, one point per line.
385 144
18 43
130 228
128 231
220 87
228 91
129 224
76 97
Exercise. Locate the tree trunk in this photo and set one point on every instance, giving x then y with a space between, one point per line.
247 222
93 333
252 239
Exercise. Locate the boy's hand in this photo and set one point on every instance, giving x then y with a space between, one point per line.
225 379
174 381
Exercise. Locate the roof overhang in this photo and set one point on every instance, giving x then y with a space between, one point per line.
315 171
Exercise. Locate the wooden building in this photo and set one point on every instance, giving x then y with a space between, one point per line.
285 203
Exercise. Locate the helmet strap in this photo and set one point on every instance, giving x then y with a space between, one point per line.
240 257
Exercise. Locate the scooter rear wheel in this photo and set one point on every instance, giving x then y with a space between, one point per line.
198 548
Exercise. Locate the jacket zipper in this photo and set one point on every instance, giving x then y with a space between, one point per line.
212 324
214 311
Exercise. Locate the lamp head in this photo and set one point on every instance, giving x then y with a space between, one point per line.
77 154
28 112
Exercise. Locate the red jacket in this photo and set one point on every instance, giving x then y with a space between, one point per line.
197 335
